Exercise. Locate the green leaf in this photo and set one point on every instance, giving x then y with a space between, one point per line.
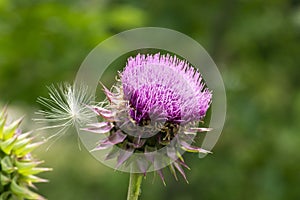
20 144
10 130
26 164
4 179
7 165
2 123
35 170
5 195
23 166
7 145
24 135
33 179
24 192
27 149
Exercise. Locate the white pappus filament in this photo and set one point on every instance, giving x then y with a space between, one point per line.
66 106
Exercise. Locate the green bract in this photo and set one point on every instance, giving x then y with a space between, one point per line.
18 168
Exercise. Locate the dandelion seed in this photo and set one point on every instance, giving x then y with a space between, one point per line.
66 106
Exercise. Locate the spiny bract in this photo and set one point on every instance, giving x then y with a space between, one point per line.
17 166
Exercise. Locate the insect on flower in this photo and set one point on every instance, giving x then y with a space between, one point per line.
156 105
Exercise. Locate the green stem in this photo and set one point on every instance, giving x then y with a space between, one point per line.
134 188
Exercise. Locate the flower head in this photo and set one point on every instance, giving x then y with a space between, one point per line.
156 105
164 87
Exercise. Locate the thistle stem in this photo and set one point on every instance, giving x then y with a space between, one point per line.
134 188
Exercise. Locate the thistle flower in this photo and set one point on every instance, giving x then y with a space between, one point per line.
17 166
156 105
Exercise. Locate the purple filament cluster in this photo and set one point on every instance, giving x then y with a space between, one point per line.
163 87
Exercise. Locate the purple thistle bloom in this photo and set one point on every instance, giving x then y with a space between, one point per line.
157 103
164 86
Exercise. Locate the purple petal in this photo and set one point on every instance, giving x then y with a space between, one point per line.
102 127
171 152
183 163
107 114
142 165
124 155
198 129
112 154
187 147
108 93
161 175
149 154
181 171
190 132
138 142
103 146
173 171
113 139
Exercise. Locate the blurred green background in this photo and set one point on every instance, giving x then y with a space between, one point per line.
256 45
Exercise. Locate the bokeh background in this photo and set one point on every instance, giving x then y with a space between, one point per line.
256 45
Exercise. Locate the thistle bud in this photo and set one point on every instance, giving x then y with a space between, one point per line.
17 166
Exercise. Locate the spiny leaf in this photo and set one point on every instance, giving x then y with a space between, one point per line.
33 179
24 135
35 170
7 165
23 166
4 179
9 131
8 145
24 192
28 148
17 166
20 144
2 124
5 195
